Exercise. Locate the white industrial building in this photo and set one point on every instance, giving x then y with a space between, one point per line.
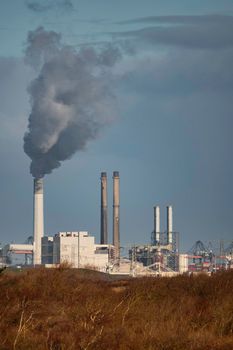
78 249
183 263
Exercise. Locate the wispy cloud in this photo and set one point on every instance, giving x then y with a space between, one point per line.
181 73
179 19
207 31
47 5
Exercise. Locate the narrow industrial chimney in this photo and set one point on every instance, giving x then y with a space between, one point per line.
169 224
104 210
38 219
116 213
156 224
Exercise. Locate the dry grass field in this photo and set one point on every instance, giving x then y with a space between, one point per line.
64 309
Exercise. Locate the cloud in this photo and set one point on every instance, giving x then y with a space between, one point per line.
15 77
47 5
201 32
180 72
179 19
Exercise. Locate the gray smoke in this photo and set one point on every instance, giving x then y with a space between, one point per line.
71 99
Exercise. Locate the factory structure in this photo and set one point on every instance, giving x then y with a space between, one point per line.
78 249
162 254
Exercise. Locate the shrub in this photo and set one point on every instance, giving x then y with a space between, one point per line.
65 308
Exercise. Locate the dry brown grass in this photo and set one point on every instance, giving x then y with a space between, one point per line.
64 309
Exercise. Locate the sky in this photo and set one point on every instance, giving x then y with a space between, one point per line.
144 88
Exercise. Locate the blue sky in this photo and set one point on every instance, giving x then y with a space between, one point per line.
171 134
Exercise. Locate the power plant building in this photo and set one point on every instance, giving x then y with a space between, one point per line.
77 249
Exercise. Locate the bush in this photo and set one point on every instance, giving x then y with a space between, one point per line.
65 308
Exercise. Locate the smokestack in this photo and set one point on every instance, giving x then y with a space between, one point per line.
169 224
156 224
104 210
38 219
116 213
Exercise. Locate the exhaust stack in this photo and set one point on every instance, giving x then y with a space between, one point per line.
38 219
116 213
156 224
169 225
104 210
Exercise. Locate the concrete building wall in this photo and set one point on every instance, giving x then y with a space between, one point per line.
77 249
183 263
47 250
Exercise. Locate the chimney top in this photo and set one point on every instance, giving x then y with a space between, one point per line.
38 185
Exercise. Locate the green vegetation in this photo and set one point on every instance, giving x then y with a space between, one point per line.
74 309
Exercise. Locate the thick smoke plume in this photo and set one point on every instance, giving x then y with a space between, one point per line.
71 99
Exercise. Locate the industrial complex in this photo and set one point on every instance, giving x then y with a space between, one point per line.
79 250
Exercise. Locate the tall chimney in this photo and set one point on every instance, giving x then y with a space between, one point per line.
169 224
38 219
104 210
116 213
156 224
